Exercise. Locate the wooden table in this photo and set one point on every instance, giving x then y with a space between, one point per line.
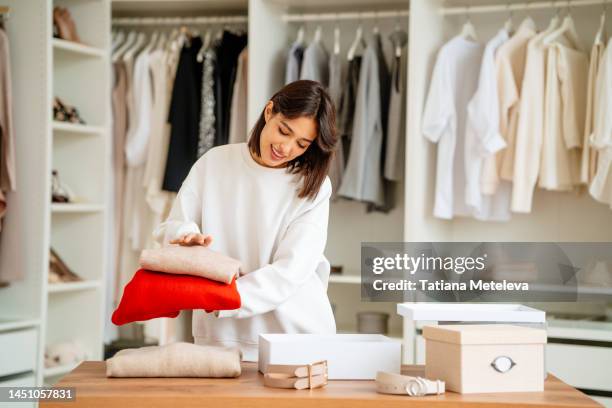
94 389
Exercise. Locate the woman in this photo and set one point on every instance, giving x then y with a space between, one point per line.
265 203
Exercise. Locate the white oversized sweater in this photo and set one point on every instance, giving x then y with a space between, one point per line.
254 215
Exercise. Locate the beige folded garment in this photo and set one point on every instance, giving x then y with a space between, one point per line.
176 360
191 260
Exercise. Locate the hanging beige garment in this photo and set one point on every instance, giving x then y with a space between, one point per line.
8 181
530 126
158 145
510 67
120 117
601 185
564 117
7 137
588 163
238 114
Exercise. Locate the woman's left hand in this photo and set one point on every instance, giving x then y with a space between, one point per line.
193 239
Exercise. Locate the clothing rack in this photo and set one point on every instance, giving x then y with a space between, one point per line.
533 5
157 21
350 15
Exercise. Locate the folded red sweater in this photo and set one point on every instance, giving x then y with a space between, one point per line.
156 294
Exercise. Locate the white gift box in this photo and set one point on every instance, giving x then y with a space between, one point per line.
485 358
349 356
471 312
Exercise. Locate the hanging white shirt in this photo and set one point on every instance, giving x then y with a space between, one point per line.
453 83
136 149
601 186
254 215
483 139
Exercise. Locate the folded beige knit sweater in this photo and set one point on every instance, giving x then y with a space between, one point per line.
178 359
191 260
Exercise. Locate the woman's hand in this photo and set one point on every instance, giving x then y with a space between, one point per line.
193 239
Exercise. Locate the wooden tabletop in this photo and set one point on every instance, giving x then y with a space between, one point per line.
94 389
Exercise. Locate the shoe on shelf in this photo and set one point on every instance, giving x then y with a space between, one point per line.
64 26
60 192
66 113
59 271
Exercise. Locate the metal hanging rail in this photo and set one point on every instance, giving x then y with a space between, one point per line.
157 21
345 15
533 5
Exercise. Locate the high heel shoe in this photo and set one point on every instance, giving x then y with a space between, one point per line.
64 25
66 113
59 271
60 193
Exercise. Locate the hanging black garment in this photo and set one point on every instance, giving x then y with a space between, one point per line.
346 108
228 50
184 116
384 77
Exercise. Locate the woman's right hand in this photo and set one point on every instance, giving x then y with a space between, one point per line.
193 239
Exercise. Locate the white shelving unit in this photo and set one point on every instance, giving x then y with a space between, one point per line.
60 46
82 155
44 67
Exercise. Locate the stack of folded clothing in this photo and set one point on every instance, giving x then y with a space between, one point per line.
178 359
175 278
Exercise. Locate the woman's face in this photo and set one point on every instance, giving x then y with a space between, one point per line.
283 139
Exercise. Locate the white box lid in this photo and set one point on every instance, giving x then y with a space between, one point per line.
484 334
323 338
471 312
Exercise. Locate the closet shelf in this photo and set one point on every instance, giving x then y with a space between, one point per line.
76 128
59 370
12 324
76 208
76 48
73 286
353 279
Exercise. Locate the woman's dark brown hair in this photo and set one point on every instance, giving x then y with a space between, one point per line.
297 99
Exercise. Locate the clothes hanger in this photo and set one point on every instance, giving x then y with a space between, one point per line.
184 37
161 43
398 38
131 52
601 32
509 24
567 29
118 39
337 38
300 35
131 38
468 31
358 41
527 24
376 30
219 35
318 34
152 42
554 23
205 44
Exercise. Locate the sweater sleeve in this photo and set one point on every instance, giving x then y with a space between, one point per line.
294 262
186 212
